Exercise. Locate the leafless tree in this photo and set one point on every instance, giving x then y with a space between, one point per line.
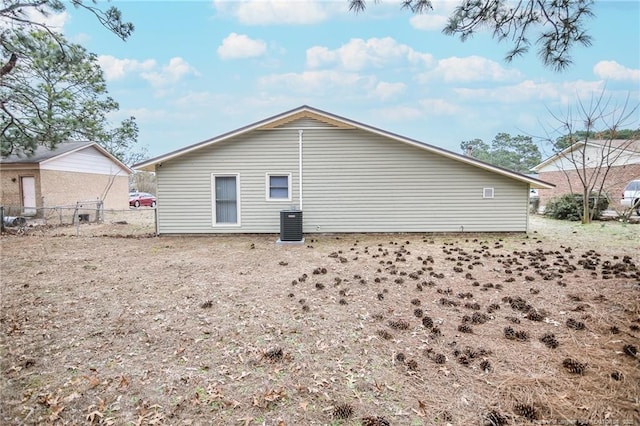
593 147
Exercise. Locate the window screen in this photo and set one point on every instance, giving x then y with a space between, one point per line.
226 199
279 187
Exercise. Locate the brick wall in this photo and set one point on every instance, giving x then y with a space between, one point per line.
66 188
10 190
56 188
617 179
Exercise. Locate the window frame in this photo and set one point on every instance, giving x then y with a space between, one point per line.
214 218
488 193
268 177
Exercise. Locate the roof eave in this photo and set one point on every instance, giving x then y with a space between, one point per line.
150 165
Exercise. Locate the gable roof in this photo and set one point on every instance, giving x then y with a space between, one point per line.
44 154
341 122
631 146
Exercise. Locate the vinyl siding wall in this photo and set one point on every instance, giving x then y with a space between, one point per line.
353 181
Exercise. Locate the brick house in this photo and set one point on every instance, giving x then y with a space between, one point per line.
591 159
72 172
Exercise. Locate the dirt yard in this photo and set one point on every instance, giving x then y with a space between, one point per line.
106 324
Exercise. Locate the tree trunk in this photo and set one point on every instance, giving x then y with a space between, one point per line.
6 69
586 213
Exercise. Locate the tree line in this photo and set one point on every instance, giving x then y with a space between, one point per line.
521 153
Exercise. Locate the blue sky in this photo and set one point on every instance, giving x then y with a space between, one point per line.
196 69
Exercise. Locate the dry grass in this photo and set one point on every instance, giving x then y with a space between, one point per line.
238 330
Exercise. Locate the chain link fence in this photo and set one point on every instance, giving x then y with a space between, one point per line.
18 219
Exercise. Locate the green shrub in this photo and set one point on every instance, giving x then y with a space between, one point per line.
569 206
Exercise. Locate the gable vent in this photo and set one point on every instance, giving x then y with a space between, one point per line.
487 192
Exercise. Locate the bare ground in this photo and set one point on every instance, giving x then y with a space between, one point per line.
115 326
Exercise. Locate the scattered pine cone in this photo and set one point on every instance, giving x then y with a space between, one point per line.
574 366
465 328
427 322
439 359
479 318
527 411
412 365
522 336
274 355
549 339
494 418
385 334
535 316
399 324
486 366
519 304
400 357
576 325
492 308
418 312
509 333
207 304
415 302
342 411
616 375
374 421
630 350
448 302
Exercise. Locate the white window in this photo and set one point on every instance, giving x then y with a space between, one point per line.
226 199
487 192
278 187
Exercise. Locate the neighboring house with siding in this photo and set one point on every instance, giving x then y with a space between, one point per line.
72 172
345 177
591 159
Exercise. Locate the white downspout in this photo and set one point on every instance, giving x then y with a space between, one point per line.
300 165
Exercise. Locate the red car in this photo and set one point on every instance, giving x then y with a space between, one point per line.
137 199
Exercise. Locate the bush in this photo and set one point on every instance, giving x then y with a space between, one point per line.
569 206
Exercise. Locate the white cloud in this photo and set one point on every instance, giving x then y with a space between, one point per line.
115 68
565 93
468 69
237 46
55 21
400 113
270 12
436 19
428 22
358 54
176 69
317 81
385 91
611 70
439 107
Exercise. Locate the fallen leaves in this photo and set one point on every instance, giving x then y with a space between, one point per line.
269 398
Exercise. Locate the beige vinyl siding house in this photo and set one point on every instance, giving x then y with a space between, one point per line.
355 178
